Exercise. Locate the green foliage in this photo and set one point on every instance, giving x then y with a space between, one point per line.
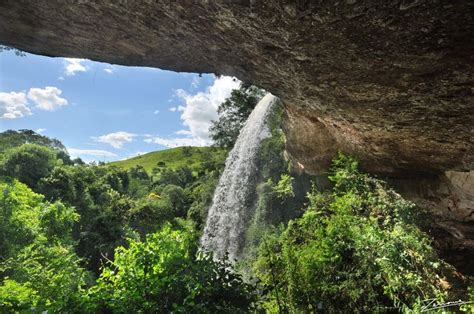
16 297
187 151
275 203
28 163
469 307
92 210
284 187
163 275
20 210
233 113
148 215
11 139
179 177
139 185
52 271
201 193
273 163
355 249
57 221
38 266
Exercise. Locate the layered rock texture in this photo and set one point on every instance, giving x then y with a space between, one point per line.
390 82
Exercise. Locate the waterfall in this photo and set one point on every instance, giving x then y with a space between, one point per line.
231 208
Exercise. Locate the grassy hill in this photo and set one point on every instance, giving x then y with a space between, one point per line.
174 158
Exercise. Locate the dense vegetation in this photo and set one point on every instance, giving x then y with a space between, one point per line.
124 237
66 226
356 247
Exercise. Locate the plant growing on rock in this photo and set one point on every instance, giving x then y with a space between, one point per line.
355 248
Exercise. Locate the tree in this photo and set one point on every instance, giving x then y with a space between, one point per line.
178 199
187 151
11 139
180 177
163 275
28 163
39 270
233 113
138 172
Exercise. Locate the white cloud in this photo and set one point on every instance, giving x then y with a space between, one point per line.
201 108
156 112
184 132
40 130
73 65
197 113
74 152
47 98
61 78
13 105
117 139
177 141
195 82
109 70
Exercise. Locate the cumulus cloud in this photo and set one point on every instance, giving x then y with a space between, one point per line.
74 152
195 82
177 141
40 130
198 111
13 105
184 132
72 65
47 98
156 112
117 139
109 70
201 108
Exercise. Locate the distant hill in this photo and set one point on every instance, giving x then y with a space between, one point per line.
174 158
11 138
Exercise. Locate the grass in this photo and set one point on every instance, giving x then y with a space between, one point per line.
174 158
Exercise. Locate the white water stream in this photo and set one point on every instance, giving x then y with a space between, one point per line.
233 199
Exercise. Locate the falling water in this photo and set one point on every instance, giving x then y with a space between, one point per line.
231 209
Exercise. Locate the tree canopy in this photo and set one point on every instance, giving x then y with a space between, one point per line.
233 113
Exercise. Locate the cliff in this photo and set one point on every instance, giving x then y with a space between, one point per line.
390 82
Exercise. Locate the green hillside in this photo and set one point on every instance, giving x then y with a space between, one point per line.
174 158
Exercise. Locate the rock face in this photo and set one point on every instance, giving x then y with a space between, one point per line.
390 82
449 198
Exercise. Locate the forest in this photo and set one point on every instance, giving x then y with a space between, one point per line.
123 237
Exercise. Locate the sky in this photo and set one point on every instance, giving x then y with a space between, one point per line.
107 112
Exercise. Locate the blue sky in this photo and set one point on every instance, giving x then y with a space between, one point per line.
108 112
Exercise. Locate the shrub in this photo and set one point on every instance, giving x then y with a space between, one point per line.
355 249
163 274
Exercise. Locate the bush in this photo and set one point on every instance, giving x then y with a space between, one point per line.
162 275
355 249
28 163
38 267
